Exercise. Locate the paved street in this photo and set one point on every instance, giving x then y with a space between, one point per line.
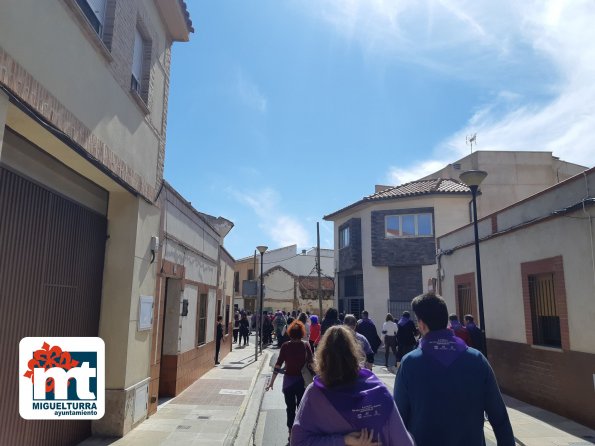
229 406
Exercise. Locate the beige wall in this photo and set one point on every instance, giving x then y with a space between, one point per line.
569 236
512 176
74 71
128 274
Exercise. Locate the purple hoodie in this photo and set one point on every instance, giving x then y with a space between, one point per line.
366 398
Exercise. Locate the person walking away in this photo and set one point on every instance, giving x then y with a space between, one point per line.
350 322
475 333
366 327
389 330
267 329
406 332
358 408
218 338
244 330
331 318
295 354
236 327
458 330
443 388
314 331
303 318
279 325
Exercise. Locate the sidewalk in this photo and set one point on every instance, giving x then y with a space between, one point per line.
210 411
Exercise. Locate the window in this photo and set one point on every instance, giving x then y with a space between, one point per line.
236 282
250 274
344 237
408 225
137 62
94 10
544 314
227 319
464 299
202 319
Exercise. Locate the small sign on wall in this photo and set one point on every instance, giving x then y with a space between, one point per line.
145 313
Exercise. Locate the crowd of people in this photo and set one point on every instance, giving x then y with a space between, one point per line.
444 385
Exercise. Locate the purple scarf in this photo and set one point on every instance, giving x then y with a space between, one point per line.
455 325
443 346
403 321
365 404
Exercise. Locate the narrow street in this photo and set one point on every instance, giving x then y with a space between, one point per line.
272 430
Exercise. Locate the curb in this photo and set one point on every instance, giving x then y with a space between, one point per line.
233 437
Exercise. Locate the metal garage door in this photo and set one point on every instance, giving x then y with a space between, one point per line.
51 268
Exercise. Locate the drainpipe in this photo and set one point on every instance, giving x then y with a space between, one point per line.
590 227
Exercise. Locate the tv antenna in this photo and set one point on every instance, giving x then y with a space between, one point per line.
471 139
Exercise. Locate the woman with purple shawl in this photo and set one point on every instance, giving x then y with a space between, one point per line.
358 408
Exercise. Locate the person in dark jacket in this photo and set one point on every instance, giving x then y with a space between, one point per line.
331 317
218 338
366 327
475 334
443 388
406 332
244 330
236 327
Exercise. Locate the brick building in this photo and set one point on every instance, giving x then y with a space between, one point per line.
83 113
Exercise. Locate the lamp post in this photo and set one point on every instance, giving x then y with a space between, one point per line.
473 179
261 250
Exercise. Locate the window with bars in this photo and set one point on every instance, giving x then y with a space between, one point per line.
201 332
464 298
544 314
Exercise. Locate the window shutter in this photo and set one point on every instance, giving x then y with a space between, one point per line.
98 7
137 59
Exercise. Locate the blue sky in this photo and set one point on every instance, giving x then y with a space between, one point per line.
281 112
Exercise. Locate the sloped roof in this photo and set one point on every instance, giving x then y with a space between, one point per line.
446 186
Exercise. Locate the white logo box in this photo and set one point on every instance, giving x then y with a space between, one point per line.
87 405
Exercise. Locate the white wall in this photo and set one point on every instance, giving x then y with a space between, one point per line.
188 323
567 235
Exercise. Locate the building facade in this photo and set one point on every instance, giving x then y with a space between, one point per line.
538 274
385 244
193 272
297 264
512 176
83 113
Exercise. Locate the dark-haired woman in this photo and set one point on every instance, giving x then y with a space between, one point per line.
331 318
295 354
358 408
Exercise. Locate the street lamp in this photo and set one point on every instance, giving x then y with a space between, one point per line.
261 250
473 179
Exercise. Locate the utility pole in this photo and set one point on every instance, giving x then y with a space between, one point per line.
318 267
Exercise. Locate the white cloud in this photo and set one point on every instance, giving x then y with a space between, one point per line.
397 175
249 93
283 229
514 48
